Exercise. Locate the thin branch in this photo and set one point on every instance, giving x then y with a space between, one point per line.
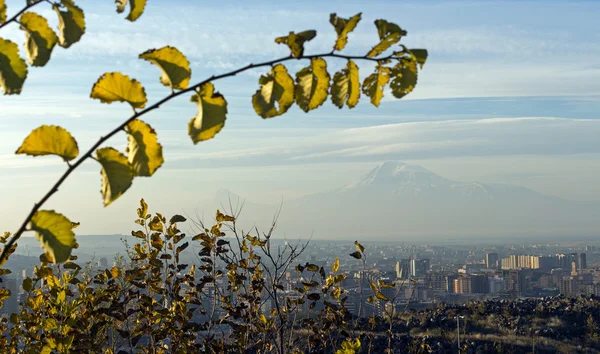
137 114
14 18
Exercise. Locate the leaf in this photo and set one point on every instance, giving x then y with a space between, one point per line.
55 233
342 27
389 34
336 265
136 8
2 11
177 218
50 140
359 247
356 255
13 70
144 151
276 93
40 39
112 87
404 78
312 85
175 67
374 84
380 296
346 86
420 56
138 234
71 23
386 285
27 284
121 5
117 174
212 112
143 209
295 41
313 296
262 319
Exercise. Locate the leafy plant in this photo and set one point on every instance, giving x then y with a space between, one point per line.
276 93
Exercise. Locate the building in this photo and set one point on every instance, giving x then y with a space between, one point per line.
403 270
582 264
11 304
419 267
479 284
491 260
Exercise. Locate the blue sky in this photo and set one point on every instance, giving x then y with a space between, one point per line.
510 94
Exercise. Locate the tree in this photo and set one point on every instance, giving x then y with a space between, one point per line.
276 93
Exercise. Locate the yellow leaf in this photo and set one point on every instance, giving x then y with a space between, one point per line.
175 67
262 318
346 86
312 85
40 39
117 174
296 41
13 69
404 78
144 151
342 27
112 87
380 296
336 265
55 233
276 93
374 84
389 34
50 140
121 5
71 23
359 247
212 112
2 11
137 8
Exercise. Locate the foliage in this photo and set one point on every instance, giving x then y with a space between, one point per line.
144 155
151 302
40 39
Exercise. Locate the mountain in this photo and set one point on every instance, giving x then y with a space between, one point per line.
397 201
400 201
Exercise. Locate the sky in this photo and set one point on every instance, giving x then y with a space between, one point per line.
509 94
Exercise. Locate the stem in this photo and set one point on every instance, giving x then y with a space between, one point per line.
14 18
120 127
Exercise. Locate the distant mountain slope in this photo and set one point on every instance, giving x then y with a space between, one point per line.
396 200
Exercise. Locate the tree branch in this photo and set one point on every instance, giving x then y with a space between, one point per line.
27 7
136 115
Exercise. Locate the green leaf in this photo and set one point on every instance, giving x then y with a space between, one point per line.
212 112
374 84
312 85
55 233
389 34
71 23
117 174
295 41
276 93
2 11
112 87
346 86
177 218
356 255
342 27
27 284
420 56
50 140
359 247
136 8
175 67
40 39
404 78
13 69
144 151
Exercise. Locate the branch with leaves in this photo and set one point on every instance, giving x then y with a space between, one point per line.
40 39
277 92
